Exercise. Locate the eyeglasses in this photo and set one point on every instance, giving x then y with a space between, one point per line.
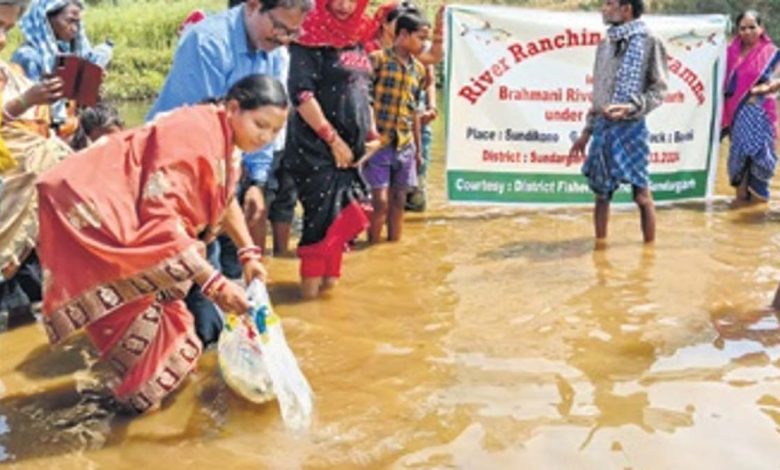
281 30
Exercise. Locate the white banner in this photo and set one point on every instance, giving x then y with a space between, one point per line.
519 83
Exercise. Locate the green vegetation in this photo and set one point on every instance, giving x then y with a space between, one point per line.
144 41
770 10
144 31
144 36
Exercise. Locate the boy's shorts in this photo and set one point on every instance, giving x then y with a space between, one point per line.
391 167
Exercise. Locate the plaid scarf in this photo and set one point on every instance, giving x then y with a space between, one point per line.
629 79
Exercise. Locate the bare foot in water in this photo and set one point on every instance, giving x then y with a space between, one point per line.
329 283
310 287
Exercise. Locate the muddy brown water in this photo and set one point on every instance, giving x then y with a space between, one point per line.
487 338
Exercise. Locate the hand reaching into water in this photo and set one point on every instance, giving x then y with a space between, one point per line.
231 298
254 269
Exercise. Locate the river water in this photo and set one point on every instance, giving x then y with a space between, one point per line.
487 338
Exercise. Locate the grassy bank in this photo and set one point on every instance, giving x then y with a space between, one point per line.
144 35
144 32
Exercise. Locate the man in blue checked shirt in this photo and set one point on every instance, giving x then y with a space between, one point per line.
211 56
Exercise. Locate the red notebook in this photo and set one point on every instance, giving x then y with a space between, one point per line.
81 79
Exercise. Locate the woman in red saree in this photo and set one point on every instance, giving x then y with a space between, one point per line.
120 226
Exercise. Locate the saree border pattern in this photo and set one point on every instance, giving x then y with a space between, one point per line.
100 300
168 375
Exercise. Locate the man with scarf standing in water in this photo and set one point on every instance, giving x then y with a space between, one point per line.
629 81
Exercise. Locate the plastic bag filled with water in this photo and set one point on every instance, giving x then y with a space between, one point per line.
257 363
241 361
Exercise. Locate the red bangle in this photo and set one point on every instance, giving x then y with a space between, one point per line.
213 285
373 134
327 133
249 253
305 96
247 258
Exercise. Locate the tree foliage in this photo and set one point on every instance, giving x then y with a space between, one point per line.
769 10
